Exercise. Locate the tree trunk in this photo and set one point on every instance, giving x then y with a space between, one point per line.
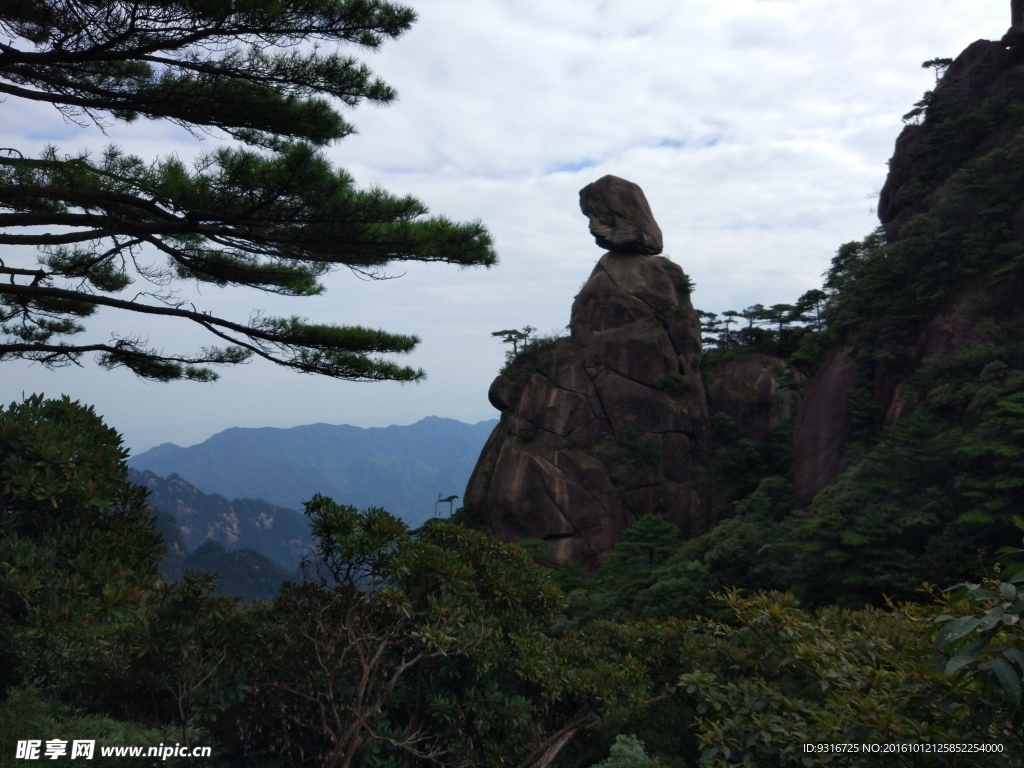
552 751
1017 14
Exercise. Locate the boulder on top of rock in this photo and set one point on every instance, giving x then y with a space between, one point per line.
620 217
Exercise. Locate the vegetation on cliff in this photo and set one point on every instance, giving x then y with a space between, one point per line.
925 309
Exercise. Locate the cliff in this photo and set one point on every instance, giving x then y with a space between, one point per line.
940 279
279 533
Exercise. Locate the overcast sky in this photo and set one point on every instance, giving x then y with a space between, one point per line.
758 129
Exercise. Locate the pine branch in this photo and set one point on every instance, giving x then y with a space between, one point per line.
337 351
277 219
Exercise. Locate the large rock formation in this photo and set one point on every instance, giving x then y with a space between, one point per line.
603 426
610 423
913 370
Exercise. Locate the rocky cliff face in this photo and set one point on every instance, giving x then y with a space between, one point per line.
988 74
604 426
279 533
822 428
758 392
954 167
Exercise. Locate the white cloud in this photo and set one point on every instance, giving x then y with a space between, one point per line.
759 129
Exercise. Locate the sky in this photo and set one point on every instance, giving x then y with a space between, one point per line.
759 131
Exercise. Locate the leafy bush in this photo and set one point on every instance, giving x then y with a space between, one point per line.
26 714
981 635
78 548
637 452
768 678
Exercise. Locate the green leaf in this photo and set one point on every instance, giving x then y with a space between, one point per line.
954 630
984 594
975 516
1007 678
1015 655
852 538
990 621
960 661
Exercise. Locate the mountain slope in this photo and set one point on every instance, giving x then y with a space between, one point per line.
243 573
280 534
870 436
400 468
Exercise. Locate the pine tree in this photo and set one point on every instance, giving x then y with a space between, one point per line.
646 543
268 211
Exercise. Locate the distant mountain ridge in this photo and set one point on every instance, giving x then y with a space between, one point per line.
249 546
400 468
279 533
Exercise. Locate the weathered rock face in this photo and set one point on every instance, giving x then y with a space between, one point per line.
604 426
822 428
620 218
758 392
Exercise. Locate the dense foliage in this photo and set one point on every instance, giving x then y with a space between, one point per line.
77 546
443 646
243 572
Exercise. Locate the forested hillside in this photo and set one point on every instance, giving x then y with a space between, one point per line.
911 359
445 646
279 533
250 547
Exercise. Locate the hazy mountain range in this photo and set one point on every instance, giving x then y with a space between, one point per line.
401 468
249 546
279 533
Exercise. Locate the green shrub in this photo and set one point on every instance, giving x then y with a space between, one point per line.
636 452
78 548
627 752
26 714
674 384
